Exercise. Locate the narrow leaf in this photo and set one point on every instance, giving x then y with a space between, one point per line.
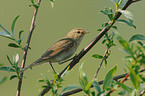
44 87
122 93
124 44
107 11
13 24
13 76
5 29
20 33
9 60
97 86
6 35
41 81
115 27
126 22
127 14
125 87
97 56
141 44
52 3
3 80
7 68
88 86
82 78
13 45
134 78
137 37
70 87
115 1
16 59
47 80
109 77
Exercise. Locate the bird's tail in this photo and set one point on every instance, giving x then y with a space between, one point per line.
30 66
37 62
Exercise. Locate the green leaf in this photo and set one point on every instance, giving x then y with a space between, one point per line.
141 44
46 79
70 87
88 86
20 39
7 68
16 59
142 78
82 78
122 93
97 86
13 25
44 87
20 33
115 27
109 77
97 56
1 64
99 29
9 60
6 35
5 30
52 3
32 1
125 87
135 79
137 37
13 45
109 12
3 80
41 81
124 44
126 22
123 2
13 76
115 1
127 14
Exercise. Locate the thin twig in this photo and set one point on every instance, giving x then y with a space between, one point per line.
85 50
27 47
106 51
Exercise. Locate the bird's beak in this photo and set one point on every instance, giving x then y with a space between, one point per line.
86 32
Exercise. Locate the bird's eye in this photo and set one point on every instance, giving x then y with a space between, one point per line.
78 32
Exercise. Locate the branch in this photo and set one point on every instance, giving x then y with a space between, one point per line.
116 78
27 47
101 62
100 83
85 50
143 92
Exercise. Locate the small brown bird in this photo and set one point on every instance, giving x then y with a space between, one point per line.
63 49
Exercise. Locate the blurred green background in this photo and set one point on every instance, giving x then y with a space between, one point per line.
54 23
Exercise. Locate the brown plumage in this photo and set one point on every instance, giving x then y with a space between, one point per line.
62 49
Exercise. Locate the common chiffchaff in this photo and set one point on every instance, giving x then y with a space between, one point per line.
63 49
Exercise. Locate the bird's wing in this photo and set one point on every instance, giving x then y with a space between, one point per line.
62 45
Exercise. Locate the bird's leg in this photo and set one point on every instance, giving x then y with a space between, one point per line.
61 62
52 67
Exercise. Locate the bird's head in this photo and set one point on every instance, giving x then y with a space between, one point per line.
77 34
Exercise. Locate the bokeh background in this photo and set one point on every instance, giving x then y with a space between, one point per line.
54 23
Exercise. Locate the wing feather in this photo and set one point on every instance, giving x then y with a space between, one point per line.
62 45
